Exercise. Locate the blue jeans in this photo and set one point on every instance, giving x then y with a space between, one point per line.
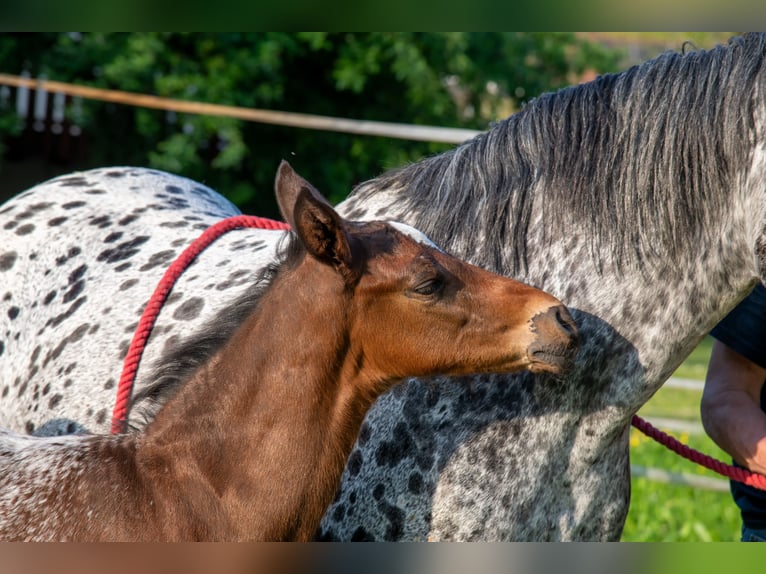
753 535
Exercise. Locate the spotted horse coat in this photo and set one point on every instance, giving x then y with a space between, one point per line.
636 199
81 256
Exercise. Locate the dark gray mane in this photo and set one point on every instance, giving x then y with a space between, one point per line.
176 367
632 160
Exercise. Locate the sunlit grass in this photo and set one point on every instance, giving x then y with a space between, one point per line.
674 513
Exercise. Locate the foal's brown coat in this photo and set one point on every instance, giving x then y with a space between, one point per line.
253 445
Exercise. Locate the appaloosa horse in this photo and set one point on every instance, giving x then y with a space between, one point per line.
252 442
637 199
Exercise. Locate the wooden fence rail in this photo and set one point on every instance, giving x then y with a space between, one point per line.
683 479
291 119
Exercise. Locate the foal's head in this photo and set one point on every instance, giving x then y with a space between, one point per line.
413 310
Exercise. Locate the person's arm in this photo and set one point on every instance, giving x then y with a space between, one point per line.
730 407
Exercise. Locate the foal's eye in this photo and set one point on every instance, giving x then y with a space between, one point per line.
429 287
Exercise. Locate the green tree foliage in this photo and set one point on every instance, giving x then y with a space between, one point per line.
448 79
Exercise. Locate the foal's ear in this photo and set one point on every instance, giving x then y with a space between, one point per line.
318 226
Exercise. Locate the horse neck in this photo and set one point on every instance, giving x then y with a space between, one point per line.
267 425
655 313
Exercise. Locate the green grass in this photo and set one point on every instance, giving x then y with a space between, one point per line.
674 513
695 365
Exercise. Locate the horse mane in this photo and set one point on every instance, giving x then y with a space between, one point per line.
637 160
173 369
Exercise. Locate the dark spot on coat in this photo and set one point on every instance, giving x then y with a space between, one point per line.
49 297
123 350
189 309
101 416
77 274
171 343
415 483
364 434
75 181
10 225
339 513
109 384
112 237
41 206
73 252
73 204
395 517
54 401
178 202
73 337
391 453
122 251
355 462
7 260
56 221
125 285
35 355
29 427
74 291
158 259
25 229
13 312
127 219
174 224
361 535
101 221
55 321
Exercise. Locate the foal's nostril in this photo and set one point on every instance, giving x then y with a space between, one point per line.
565 321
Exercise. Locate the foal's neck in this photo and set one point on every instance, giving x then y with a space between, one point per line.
263 431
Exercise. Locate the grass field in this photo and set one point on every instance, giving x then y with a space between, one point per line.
675 513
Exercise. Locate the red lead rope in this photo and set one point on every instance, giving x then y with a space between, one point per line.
733 472
152 310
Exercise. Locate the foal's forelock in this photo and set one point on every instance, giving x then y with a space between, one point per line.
415 234
630 160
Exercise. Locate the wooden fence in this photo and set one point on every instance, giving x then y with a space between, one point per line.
43 86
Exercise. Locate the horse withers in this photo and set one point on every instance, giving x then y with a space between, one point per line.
251 443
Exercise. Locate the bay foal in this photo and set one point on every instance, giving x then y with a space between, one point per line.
252 444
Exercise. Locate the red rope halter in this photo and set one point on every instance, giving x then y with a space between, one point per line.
153 307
